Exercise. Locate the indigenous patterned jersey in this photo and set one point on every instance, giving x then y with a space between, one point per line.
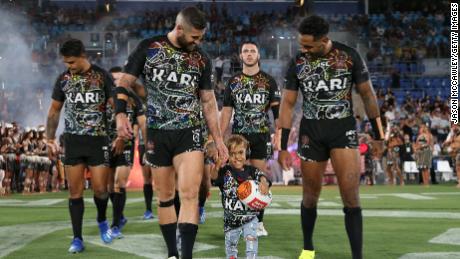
173 78
236 213
326 82
251 96
85 99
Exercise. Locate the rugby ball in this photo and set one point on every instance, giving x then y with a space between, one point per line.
249 194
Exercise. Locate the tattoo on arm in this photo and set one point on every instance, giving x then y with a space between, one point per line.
52 123
369 99
210 113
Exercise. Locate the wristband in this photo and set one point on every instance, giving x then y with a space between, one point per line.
284 138
377 128
120 104
276 111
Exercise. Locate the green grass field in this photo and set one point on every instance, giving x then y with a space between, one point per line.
398 221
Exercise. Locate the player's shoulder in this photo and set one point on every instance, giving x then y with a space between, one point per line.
343 47
266 75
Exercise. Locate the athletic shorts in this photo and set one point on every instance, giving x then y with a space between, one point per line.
126 158
141 149
260 146
318 137
88 150
163 145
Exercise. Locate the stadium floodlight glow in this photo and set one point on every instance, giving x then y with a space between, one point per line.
273 37
282 37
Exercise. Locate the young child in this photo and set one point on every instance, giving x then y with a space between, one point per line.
238 218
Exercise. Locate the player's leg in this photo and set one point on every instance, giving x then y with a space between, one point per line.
250 236
119 199
346 165
189 167
99 179
204 191
164 178
75 175
147 187
312 179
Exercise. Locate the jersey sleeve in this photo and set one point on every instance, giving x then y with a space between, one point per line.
136 60
228 100
275 95
290 81
58 94
220 177
360 73
205 80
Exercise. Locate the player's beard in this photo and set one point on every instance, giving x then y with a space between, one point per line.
184 44
255 62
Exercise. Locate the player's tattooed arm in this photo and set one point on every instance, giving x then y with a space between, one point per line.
52 121
210 112
208 100
366 91
126 80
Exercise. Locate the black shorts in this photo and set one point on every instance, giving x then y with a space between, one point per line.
141 149
88 150
163 145
318 137
260 146
126 158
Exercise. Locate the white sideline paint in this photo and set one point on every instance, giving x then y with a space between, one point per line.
15 237
29 203
451 237
407 196
373 213
278 200
438 255
149 246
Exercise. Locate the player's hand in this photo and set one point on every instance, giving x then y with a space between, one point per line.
222 152
118 146
53 148
124 129
379 147
263 186
285 160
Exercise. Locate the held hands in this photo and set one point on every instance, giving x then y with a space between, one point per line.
222 153
285 160
124 129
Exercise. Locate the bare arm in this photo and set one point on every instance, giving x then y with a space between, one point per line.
225 116
286 108
142 125
208 100
52 121
366 91
124 129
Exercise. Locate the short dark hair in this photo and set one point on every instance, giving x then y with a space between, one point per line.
315 26
194 17
72 48
248 42
116 70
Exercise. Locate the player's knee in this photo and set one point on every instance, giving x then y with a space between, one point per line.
100 192
251 238
310 200
188 194
164 194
